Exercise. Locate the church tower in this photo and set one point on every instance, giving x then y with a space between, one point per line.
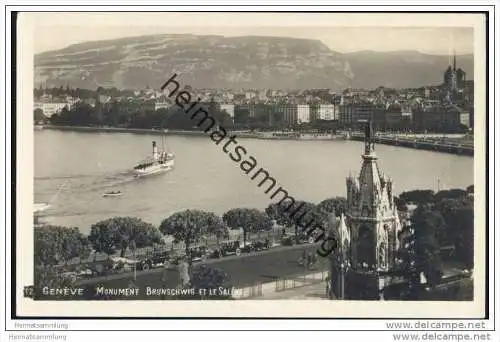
452 75
373 221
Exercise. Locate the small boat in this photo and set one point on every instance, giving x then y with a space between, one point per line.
39 207
112 194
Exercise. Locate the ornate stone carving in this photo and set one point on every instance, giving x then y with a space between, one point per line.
381 255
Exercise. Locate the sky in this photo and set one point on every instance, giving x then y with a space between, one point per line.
55 31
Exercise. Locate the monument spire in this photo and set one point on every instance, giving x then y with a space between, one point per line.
369 144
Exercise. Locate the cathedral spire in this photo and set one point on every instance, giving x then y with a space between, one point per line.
454 61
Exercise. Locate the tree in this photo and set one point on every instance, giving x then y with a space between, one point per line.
452 193
418 196
55 244
304 215
190 226
216 226
249 220
458 213
120 233
211 280
38 115
297 214
276 211
46 276
400 204
102 238
407 267
52 246
427 225
335 205
465 236
206 283
306 211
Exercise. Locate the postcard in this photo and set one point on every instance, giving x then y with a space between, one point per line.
213 164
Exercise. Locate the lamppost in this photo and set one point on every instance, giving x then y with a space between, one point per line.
341 277
133 245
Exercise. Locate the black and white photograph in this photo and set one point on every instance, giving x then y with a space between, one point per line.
219 159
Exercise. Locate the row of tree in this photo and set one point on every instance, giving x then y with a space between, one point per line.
441 218
453 212
59 92
429 196
57 245
134 114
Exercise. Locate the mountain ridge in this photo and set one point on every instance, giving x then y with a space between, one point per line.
213 61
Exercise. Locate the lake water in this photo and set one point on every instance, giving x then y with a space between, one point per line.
204 177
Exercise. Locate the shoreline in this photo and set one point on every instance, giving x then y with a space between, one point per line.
240 134
121 130
413 143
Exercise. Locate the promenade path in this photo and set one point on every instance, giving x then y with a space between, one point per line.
259 269
307 292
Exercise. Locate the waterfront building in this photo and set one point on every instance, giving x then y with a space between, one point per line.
241 113
51 108
362 111
303 113
368 232
326 112
262 113
455 117
276 115
346 113
210 106
450 118
290 113
228 108
314 112
337 100
162 105
379 117
398 116
252 110
149 105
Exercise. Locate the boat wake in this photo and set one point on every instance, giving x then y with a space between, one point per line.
66 177
119 179
86 183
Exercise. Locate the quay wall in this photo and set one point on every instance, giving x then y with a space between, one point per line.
437 146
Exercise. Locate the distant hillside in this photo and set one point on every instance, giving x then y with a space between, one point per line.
234 62
402 68
203 61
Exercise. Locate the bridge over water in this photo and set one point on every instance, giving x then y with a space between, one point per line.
430 144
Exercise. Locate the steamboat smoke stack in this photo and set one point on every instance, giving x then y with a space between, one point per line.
155 151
